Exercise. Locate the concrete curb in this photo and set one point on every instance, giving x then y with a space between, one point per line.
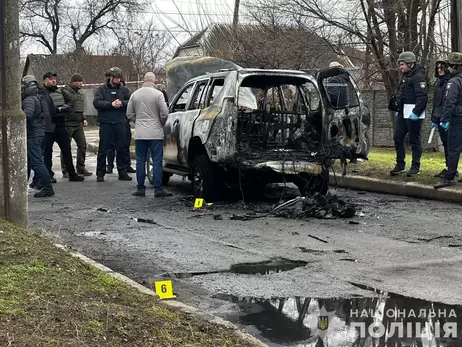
376 185
171 303
397 188
92 147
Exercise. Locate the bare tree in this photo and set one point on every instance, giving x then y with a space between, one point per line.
144 44
385 28
49 21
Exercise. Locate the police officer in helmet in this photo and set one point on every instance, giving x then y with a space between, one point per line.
412 92
111 101
451 119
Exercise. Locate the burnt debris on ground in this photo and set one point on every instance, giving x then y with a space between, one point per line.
316 205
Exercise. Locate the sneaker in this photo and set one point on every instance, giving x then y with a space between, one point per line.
65 175
84 172
109 169
397 170
123 176
75 178
139 192
131 170
162 194
45 192
444 183
413 171
100 178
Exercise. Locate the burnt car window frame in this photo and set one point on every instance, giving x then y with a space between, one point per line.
210 89
180 94
351 91
197 97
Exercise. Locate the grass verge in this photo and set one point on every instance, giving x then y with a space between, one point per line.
382 160
49 298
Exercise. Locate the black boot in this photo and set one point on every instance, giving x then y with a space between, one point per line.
99 178
445 183
46 191
140 191
108 169
84 172
397 170
413 171
74 177
131 170
123 176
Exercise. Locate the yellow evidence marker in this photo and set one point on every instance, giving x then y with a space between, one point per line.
199 202
164 289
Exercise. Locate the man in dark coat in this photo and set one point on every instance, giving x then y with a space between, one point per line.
75 122
442 74
111 101
58 110
411 99
35 109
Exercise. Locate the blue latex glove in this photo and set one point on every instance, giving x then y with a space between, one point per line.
413 116
444 125
434 125
396 114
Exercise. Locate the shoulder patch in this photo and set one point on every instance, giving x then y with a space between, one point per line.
423 85
449 85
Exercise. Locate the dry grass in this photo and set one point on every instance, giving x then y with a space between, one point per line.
382 160
49 298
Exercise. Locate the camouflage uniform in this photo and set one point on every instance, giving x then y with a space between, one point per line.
451 119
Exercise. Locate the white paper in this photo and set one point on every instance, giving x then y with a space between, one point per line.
407 110
430 139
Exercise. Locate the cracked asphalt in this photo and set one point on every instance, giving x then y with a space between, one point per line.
402 245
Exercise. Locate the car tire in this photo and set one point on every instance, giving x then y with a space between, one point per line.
309 184
204 179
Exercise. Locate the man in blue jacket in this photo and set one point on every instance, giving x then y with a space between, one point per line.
111 101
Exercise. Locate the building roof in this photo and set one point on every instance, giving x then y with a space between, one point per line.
91 67
267 47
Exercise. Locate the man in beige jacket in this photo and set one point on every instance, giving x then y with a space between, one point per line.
148 110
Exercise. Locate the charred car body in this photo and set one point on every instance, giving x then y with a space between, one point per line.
246 128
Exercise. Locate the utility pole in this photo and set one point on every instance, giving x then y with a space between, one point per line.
13 154
456 25
236 13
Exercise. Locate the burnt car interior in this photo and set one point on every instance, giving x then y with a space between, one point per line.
278 112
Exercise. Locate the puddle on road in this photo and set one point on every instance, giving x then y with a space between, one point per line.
354 322
268 267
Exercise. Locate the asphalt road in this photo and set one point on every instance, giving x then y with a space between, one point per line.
399 245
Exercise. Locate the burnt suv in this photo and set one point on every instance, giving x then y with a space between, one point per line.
244 128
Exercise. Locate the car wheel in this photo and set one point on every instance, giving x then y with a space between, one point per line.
310 184
204 179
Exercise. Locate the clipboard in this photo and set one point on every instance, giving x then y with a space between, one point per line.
407 110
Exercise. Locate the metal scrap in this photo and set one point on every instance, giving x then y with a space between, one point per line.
316 205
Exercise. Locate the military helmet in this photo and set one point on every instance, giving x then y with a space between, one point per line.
455 58
29 79
114 72
443 61
407 57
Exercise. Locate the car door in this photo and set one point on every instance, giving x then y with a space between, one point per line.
178 128
342 108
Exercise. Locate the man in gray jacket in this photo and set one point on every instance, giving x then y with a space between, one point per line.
148 110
